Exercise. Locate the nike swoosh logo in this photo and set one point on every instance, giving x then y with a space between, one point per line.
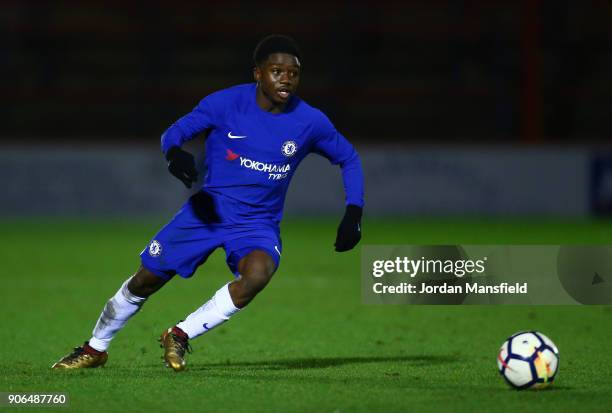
276 248
229 135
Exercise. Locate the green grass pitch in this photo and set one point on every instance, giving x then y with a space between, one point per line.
305 344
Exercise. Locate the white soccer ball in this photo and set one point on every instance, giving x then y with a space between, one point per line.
528 359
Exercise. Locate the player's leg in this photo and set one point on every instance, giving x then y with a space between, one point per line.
178 247
256 269
144 283
126 302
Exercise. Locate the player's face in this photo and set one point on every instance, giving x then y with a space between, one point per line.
278 77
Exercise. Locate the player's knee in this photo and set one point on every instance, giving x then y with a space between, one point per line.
255 282
256 275
144 283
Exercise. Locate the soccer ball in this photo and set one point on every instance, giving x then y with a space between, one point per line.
528 359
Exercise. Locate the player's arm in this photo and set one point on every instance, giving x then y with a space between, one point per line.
335 147
181 163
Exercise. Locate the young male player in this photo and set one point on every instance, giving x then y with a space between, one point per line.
258 135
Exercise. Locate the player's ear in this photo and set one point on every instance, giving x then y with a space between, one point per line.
256 74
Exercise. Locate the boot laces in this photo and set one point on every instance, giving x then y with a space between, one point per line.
180 344
77 354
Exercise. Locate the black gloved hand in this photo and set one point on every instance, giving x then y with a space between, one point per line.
182 165
349 230
203 206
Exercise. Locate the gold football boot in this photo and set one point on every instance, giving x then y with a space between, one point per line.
83 357
175 343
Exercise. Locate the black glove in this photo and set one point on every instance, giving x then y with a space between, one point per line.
203 206
349 230
182 165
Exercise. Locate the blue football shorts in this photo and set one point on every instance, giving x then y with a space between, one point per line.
186 242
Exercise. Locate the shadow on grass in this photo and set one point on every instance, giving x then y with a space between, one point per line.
325 362
550 388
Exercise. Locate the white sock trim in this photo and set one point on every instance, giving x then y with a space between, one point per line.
224 302
98 344
129 296
213 313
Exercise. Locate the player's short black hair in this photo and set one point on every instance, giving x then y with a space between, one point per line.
275 43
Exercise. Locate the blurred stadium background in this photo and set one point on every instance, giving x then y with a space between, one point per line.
458 107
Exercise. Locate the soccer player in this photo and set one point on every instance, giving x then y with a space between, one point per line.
258 134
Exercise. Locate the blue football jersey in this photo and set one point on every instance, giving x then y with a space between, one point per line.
252 154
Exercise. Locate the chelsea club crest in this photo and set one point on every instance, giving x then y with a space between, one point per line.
289 148
155 248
